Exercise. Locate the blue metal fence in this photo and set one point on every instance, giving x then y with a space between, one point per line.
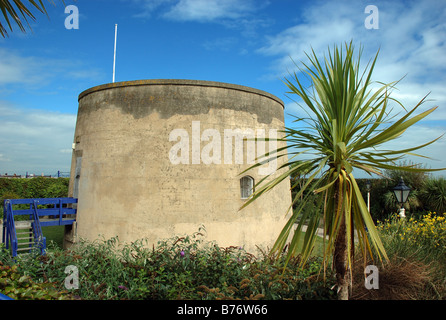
3 297
40 213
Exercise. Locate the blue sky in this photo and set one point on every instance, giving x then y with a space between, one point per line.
246 42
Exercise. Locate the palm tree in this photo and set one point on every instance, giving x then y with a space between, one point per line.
19 13
348 121
433 194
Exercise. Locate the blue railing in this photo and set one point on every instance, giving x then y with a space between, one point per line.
3 297
40 240
58 211
9 232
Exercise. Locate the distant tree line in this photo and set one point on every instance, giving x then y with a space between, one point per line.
428 193
39 187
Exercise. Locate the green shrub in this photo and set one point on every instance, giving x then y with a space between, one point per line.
38 187
178 268
421 245
426 235
21 287
433 194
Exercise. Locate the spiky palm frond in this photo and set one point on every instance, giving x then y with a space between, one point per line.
348 124
19 12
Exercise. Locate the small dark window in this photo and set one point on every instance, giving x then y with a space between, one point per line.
246 186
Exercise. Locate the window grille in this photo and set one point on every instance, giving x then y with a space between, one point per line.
246 186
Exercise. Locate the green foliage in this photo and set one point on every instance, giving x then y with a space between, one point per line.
191 268
428 194
38 187
178 268
433 194
426 234
414 179
19 12
21 287
418 245
347 125
379 187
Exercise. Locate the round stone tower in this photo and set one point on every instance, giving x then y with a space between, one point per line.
153 159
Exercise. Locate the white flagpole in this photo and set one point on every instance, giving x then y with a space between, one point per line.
114 56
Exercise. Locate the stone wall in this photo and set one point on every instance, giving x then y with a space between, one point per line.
148 162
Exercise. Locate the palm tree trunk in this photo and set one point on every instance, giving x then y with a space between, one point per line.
340 258
340 262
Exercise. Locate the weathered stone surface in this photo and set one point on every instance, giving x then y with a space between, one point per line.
128 186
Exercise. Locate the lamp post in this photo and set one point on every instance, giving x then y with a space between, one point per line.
368 186
401 193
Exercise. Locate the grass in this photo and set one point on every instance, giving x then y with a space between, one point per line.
55 234
417 266
318 246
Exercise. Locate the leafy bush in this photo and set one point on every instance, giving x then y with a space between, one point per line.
427 233
433 194
191 268
21 287
417 252
38 187
178 268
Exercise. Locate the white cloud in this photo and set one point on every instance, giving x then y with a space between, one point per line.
418 135
412 43
233 14
209 10
411 39
147 7
198 10
3 158
223 44
16 68
32 140
320 25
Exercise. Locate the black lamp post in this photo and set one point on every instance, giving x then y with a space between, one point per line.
401 193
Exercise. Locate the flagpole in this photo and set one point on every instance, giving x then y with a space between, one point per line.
114 55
